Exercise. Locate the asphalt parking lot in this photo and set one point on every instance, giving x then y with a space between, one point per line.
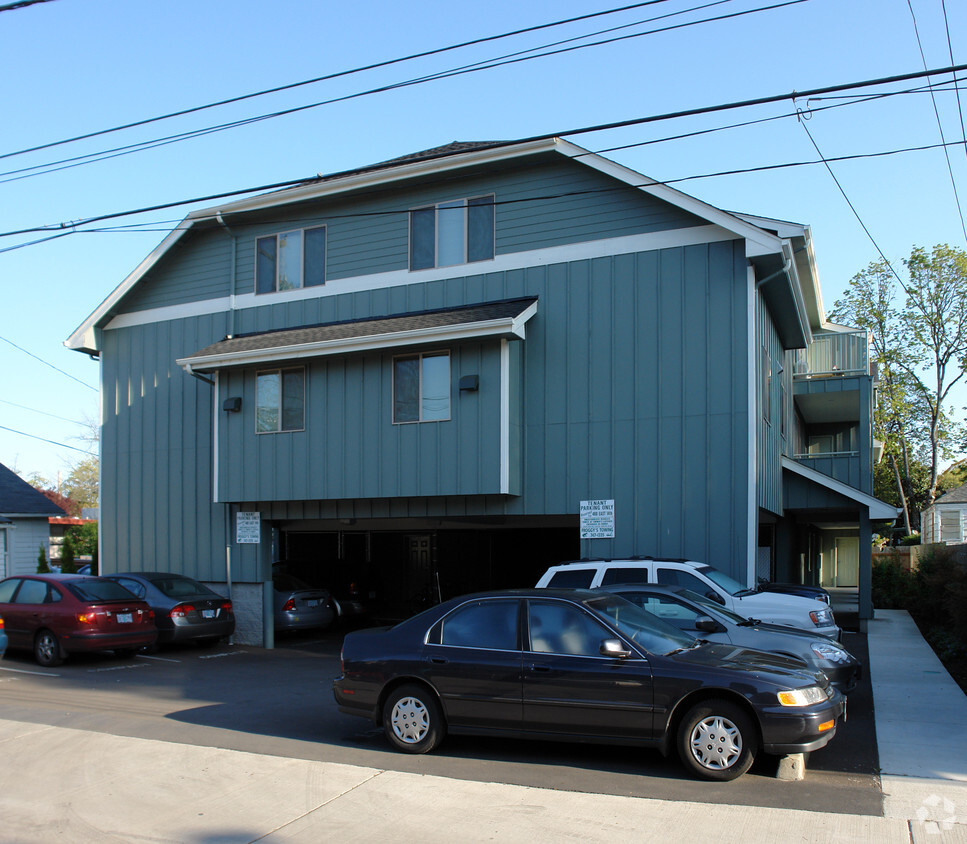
280 703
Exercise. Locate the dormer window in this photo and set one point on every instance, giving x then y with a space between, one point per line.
451 233
289 260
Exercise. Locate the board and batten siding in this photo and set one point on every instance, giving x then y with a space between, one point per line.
554 204
631 384
770 440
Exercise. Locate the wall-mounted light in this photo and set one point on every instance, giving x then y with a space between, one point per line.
232 405
469 383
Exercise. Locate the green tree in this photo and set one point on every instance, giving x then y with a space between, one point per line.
918 337
81 485
67 556
42 567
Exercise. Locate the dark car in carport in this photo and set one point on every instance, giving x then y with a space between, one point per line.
184 609
583 666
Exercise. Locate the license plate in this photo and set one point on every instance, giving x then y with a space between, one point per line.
312 602
124 618
208 613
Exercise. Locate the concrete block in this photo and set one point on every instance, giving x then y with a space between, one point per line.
792 767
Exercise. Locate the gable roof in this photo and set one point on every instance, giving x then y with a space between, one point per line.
957 495
18 498
450 157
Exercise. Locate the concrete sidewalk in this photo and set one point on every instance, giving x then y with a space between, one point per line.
74 786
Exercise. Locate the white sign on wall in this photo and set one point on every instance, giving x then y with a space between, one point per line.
248 528
597 519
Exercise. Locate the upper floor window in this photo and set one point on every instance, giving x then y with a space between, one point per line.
451 233
421 388
280 400
289 260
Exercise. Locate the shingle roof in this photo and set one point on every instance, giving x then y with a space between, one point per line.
958 495
369 327
17 497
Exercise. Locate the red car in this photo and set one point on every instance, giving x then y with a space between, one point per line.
57 614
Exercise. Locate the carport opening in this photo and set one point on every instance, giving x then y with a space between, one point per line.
396 574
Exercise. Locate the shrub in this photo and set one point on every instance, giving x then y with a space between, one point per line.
42 567
67 556
894 587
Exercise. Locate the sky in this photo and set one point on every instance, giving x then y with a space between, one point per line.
75 67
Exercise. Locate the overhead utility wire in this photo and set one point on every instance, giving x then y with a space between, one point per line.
950 52
21 4
485 64
56 369
488 64
336 75
936 111
792 95
42 439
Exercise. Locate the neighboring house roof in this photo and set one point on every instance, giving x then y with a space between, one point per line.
769 246
958 495
18 498
506 317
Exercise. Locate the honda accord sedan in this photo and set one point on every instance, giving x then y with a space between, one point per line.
54 615
582 666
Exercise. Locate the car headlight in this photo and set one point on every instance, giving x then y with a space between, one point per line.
822 618
802 697
830 652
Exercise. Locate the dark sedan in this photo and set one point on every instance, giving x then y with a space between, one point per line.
696 615
54 615
184 609
581 666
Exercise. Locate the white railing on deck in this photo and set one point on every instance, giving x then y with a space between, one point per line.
833 354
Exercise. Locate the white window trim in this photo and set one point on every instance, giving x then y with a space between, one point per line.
420 356
302 279
305 390
466 232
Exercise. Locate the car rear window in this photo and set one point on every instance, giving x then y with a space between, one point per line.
624 575
99 590
180 587
572 578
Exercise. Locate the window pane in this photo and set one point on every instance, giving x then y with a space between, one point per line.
451 233
564 629
480 228
572 579
436 388
32 592
422 238
624 575
290 260
489 624
267 395
265 265
406 390
293 399
315 268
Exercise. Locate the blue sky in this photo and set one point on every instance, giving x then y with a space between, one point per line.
78 66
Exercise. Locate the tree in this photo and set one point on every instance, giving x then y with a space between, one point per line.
42 567
81 485
920 347
67 556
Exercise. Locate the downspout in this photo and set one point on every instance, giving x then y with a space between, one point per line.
198 375
231 281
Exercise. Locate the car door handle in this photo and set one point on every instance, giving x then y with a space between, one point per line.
437 660
539 667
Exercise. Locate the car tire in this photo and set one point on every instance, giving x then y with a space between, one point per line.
717 740
125 653
412 720
47 649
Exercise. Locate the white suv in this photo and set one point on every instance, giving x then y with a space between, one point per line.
773 607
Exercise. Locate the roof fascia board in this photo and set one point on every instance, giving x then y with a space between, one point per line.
83 338
759 242
796 285
371 342
878 509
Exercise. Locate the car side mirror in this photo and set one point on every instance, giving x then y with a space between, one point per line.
706 624
614 648
715 597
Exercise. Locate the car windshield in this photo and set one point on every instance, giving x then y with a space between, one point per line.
640 626
713 608
99 590
729 584
180 587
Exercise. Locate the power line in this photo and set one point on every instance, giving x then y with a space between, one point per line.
327 77
56 369
43 439
489 64
936 111
21 4
42 412
950 52
792 95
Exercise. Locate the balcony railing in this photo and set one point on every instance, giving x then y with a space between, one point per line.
829 355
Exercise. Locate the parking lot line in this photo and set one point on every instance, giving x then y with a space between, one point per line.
35 673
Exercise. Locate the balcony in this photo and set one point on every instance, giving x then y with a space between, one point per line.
833 356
